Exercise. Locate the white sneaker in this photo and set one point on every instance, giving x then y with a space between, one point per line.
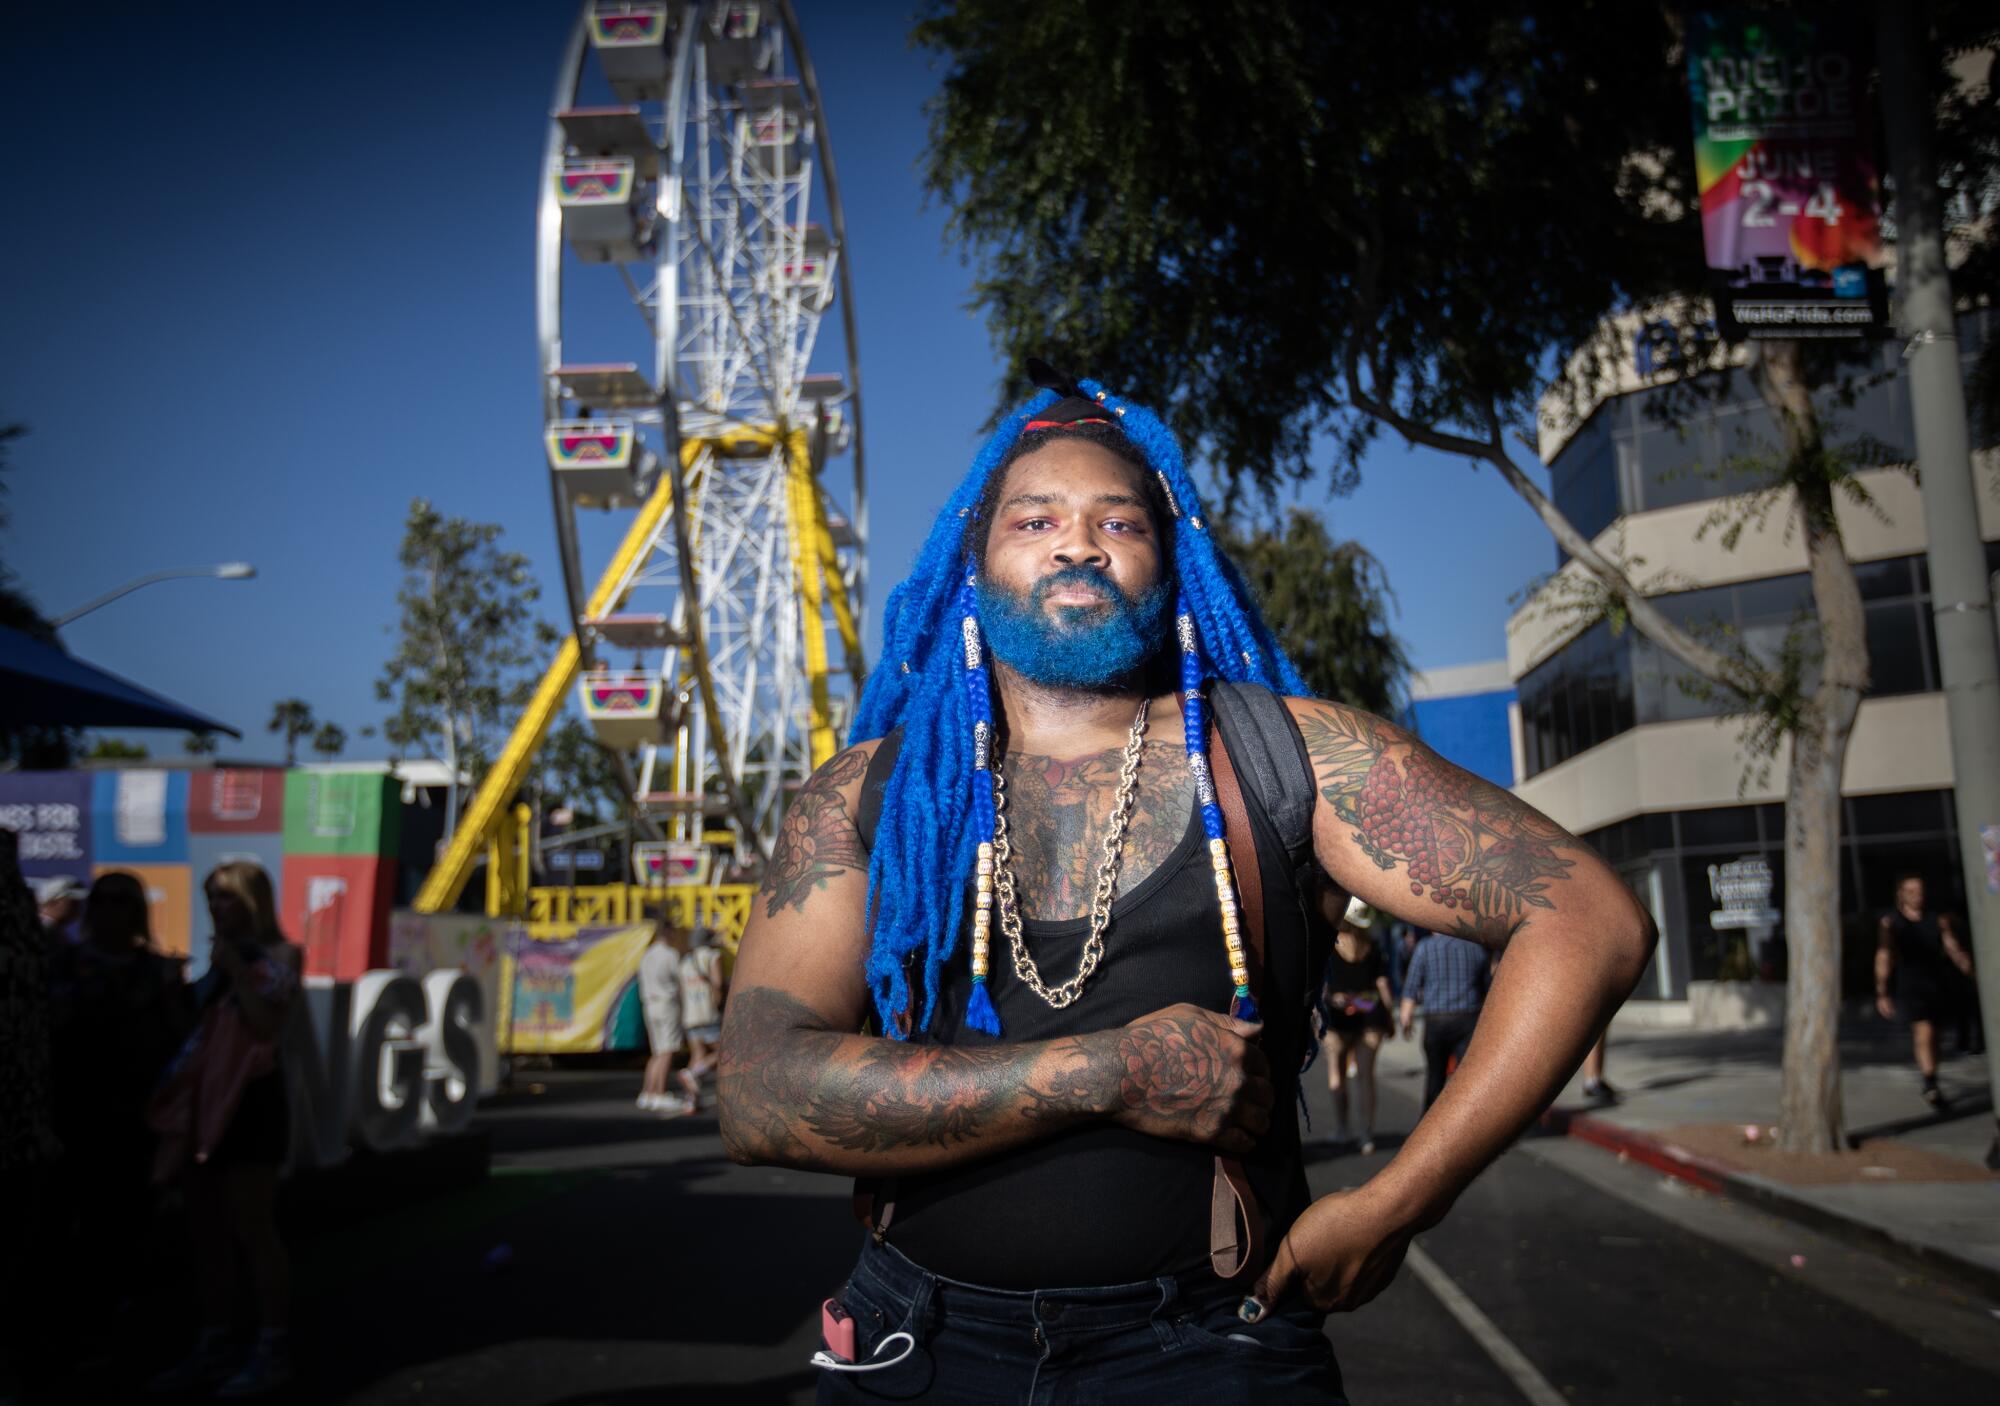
673 1105
648 1102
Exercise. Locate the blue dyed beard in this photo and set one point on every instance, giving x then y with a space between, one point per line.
1080 646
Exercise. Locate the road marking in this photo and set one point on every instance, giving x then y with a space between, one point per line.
1506 1356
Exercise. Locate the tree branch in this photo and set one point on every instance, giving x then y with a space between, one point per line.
1712 664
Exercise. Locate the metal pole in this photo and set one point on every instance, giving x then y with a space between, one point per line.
1968 658
227 571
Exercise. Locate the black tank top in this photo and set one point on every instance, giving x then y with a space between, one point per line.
1920 954
1354 978
1099 1204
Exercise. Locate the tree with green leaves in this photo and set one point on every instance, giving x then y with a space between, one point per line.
116 749
1329 602
466 645
200 744
1298 227
330 740
572 769
293 719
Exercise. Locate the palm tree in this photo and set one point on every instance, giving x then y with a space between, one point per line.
294 718
329 740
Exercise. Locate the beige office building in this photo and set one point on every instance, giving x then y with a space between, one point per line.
1611 745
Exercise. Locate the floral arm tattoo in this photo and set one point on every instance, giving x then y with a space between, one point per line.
818 840
794 1092
1483 857
798 1093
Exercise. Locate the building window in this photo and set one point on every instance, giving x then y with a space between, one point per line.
1597 686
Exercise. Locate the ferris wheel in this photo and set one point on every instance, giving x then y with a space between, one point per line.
702 195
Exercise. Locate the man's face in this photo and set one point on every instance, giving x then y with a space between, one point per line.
1072 593
1910 893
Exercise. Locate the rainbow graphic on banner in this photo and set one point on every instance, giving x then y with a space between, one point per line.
1790 193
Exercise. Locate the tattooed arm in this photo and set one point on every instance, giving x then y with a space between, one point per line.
799 1087
1424 841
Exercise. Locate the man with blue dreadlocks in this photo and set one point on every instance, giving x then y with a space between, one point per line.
1079 1164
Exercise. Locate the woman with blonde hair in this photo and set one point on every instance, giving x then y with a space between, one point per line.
226 1132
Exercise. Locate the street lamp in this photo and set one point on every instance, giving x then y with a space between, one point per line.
225 571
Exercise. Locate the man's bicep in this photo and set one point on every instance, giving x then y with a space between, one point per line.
1429 842
807 934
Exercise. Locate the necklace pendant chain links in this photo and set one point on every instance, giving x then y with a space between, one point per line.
1107 876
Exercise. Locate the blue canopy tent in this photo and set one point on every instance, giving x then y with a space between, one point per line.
40 686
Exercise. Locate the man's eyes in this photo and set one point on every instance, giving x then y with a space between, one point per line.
1117 524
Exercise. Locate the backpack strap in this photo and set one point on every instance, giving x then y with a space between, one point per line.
868 811
1235 1225
1270 755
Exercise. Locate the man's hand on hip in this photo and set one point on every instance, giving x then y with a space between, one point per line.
1192 1074
1338 1255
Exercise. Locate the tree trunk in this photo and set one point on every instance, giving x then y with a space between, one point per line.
1810 1110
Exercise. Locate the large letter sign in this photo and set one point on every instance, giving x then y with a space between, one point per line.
382 1061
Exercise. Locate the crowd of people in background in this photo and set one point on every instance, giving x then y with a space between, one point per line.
124 1081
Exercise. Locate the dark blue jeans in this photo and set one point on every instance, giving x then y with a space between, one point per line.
1147 1343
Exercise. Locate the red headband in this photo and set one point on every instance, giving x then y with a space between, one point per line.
1034 425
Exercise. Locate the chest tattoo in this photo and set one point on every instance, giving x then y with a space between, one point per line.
1059 811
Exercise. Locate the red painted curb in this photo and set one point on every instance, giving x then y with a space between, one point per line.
1662 1157
1682 1165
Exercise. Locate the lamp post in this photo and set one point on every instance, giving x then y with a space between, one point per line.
225 571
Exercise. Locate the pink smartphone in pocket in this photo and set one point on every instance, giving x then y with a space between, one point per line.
836 1329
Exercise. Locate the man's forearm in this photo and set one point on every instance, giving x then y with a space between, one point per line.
1549 1001
795 1093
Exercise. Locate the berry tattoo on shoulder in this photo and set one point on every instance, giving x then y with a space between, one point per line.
1476 851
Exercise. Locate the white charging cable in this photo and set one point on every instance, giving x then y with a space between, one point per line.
825 1359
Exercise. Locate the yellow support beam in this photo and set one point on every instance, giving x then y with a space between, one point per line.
836 588
483 818
801 503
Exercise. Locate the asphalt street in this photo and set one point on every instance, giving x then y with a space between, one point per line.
615 1258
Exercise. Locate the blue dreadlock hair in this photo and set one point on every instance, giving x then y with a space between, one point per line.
937 808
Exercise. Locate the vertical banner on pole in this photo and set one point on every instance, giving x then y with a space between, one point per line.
1790 192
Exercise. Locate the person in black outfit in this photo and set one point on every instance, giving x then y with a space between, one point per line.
1089 984
119 1010
1921 951
1354 1008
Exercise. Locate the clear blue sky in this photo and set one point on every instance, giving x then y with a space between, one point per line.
267 276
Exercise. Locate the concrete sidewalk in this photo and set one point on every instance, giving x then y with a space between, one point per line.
1678 1078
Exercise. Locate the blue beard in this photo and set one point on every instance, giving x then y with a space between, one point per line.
1082 646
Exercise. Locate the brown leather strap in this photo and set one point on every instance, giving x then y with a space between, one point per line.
1235 1227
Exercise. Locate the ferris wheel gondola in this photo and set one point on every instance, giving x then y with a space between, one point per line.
701 657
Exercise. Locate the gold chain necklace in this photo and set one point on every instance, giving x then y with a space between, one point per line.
1107 876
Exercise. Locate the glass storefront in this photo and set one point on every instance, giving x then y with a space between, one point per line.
1667 859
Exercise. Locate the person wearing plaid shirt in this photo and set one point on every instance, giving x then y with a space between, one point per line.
1447 977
